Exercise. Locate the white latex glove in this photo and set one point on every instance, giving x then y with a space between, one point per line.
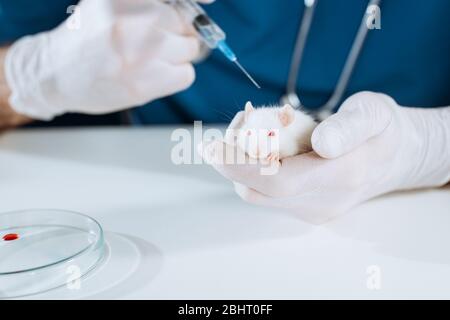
125 53
370 147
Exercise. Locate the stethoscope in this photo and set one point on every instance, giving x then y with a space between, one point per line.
291 95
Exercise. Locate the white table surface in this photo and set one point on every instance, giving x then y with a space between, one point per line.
180 232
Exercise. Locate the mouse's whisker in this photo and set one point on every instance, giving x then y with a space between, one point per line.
228 117
228 114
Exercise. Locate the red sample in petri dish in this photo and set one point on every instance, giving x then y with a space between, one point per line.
10 237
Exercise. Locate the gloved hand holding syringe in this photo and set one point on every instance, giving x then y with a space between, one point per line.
213 36
149 57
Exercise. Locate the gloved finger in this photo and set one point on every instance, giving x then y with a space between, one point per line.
148 14
257 198
174 78
177 49
305 210
148 42
232 163
361 117
179 78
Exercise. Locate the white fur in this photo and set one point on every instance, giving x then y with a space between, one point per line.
292 139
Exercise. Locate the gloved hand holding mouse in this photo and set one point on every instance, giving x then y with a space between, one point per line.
123 54
371 146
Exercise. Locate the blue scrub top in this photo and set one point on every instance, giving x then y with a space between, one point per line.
409 58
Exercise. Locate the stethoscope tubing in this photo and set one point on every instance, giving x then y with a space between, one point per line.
291 95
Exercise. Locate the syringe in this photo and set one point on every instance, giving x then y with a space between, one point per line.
209 32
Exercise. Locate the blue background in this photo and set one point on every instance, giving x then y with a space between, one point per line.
409 58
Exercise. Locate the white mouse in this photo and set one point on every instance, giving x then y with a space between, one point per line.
273 133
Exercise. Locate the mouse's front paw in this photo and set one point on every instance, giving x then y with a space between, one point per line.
273 158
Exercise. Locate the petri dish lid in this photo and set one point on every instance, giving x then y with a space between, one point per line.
42 249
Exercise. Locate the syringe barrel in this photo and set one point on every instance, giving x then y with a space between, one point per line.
208 30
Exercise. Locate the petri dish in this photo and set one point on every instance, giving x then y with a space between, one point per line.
42 249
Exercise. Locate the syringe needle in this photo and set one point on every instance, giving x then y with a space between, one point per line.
247 74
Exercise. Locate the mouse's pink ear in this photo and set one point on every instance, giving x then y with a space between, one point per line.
286 115
248 109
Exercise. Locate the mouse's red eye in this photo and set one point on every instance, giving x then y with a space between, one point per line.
271 134
249 132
